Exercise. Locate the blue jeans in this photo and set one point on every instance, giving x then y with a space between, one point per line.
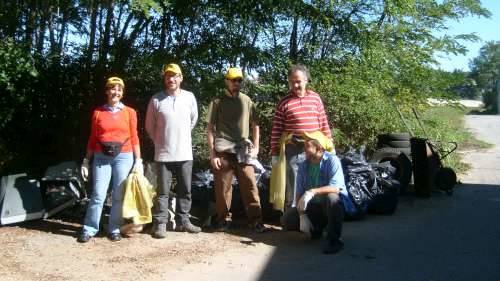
105 169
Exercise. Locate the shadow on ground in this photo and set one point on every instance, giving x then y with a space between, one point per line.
439 238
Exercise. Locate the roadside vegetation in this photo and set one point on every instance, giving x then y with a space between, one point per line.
445 124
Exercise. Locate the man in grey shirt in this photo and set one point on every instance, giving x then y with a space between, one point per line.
170 117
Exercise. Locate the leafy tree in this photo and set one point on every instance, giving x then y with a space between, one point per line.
363 55
485 70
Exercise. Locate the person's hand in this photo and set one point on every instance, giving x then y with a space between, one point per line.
215 162
274 160
138 167
304 200
84 170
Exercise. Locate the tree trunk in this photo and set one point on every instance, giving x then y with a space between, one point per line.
105 45
30 24
293 39
63 28
44 14
164 26
94 9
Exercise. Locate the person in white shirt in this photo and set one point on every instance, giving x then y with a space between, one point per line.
170 117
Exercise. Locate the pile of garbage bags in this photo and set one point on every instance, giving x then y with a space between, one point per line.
372 187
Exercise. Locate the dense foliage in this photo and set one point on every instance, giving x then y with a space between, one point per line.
365 56
485 71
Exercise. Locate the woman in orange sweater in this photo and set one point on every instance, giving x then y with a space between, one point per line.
114 146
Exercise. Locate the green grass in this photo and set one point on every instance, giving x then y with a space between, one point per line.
445 124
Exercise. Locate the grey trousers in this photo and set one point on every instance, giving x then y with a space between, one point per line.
294 155
329 213
183 173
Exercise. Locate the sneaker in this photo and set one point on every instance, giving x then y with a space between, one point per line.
259 227
187 227
83 237
115 237
223 226
333 247
159 230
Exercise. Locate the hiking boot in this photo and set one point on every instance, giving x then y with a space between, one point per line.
187 227
333 247
222 226
83 237
259 227
159 230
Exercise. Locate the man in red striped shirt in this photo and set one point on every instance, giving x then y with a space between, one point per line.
300 111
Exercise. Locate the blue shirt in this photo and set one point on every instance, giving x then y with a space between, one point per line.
330 174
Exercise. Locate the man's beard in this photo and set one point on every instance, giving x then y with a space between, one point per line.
313 157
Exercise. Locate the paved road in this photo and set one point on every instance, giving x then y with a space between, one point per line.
485 164
435 239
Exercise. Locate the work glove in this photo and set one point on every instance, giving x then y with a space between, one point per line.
304 200
274 160
305 224
84 170
138 167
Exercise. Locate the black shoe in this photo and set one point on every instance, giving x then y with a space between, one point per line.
83 237
222 226
187 227
115 237
259 227
333 247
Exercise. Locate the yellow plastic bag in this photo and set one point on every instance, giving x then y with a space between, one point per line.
278 176
138 199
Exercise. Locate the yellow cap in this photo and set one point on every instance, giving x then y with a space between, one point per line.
234 73
112 81
172 67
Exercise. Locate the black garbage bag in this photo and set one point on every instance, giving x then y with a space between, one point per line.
371 187
386 201
361 181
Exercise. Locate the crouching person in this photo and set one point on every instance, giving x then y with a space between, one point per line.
320 193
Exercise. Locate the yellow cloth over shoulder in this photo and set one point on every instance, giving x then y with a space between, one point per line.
278 172
138 199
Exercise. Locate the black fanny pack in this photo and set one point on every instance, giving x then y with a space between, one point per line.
112 148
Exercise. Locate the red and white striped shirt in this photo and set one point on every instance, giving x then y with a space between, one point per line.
298 114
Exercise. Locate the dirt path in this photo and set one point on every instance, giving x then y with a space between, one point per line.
442 238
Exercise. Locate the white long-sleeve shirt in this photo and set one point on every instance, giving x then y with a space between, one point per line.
169 121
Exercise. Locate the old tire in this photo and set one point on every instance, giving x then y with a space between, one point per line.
394 137
395 144
397 159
